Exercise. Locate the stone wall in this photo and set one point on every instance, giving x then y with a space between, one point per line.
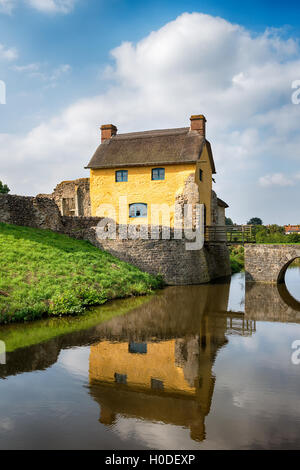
170 257
214 209
37 212
72 197
217 217
221 216
78 227
268 263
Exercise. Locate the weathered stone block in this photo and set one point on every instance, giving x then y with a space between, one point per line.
268 263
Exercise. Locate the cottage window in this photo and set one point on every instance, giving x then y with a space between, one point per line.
120 378
121 175
158 174
137 348
138 210
157 384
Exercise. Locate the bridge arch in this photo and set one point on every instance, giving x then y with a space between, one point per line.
269 263
283 270
287 297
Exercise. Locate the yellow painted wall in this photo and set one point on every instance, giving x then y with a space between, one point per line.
205 186
139 189
107 358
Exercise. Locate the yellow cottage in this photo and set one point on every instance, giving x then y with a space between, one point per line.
142 169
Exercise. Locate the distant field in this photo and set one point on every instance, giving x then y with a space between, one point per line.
43 274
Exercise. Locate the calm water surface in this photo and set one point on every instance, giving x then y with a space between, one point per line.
201 367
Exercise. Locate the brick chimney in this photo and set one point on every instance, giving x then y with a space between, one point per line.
107 131
198 124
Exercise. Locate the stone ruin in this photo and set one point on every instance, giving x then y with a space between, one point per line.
72 197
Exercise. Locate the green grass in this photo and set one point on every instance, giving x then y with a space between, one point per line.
43 273
27 334
236 258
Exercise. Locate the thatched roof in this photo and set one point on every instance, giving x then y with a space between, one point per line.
149 148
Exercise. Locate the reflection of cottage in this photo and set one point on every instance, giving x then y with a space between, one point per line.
156 363
157 381
154 167
168 381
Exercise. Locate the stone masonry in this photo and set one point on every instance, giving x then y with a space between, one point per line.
268 263
72 197
169 258
37 212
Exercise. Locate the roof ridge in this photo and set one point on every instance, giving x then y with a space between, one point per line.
156 147
150 133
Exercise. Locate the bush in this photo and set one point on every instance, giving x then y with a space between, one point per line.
4 189
236 266
236 258
275 234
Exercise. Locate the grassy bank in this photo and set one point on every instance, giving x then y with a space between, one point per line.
47 274
22 335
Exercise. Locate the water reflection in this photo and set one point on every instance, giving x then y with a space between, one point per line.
271 302
292 280
158 364
163 371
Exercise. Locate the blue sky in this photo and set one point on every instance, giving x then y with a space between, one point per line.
71 65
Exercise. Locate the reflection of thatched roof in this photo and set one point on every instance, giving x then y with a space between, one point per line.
178 410
158 147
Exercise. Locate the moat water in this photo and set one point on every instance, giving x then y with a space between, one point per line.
200 367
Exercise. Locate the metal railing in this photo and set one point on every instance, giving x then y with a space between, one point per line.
230 234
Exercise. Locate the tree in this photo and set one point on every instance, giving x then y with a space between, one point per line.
294 238
228 221
276 229
255 221
4 189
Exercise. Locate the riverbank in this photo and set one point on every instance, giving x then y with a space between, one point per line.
22 335
43 273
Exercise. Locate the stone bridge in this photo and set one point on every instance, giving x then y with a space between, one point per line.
268 263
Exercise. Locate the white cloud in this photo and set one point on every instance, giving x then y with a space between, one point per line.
36 70
44 6
276 179
194 64
26 68
59 72
8 53
52 6
155 435
7 424
75 361
7 6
